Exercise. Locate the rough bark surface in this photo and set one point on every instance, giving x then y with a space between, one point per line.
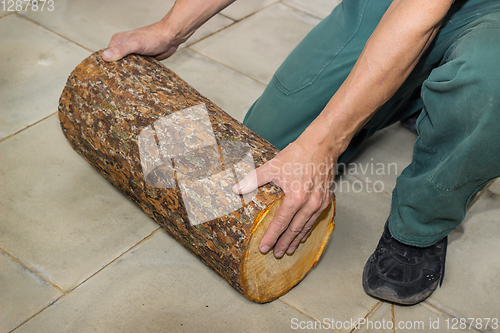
105 110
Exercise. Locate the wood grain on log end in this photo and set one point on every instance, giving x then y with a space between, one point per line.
266 278
122 117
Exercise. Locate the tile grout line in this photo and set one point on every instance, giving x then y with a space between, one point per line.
237 21
300 311
88 278
36 314
251 14
117 258
393 318
7 15
28 126
222 64
442 311
216 61
211 34
368 315
304 12
223 15
34 272
55 33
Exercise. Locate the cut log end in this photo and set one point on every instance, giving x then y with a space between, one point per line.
266 278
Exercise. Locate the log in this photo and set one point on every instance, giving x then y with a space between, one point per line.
177 155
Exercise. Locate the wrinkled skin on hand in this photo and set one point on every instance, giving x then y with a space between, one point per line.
305 171
149 40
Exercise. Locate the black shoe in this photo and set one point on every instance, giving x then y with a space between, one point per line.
401 273
410 123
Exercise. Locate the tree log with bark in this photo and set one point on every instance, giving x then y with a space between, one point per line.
177 155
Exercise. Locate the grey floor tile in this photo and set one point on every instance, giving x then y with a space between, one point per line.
319 8
216 23
418 318
92 23
333 288
232 91
424 318
35 65
160 287
471 284
22 293
383 157
257 45
6 12
60 217
241 9
495 187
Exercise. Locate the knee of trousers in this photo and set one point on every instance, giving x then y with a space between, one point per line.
468 80
461 97
481 70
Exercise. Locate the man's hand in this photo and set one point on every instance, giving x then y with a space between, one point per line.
305 171
162 38
151 40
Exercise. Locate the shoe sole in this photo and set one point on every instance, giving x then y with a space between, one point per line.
386 294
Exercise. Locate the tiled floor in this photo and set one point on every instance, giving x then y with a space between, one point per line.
78 256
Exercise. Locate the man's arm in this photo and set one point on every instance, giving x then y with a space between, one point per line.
389 56
161 39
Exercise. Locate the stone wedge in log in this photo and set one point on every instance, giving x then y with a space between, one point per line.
177 155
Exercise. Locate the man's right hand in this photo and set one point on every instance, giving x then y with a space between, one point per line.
153 40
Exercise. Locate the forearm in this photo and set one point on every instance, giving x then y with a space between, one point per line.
389 56
188 15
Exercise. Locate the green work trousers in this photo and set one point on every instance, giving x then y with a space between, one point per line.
456 85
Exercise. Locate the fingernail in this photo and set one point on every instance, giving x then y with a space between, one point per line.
291 250
265 249
107 54
279 254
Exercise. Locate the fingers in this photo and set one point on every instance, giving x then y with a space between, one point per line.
277 227
306 235
112 54
302 214
306 231
302 222
253 180
166 54
295 241
117 51
117 48
302 237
